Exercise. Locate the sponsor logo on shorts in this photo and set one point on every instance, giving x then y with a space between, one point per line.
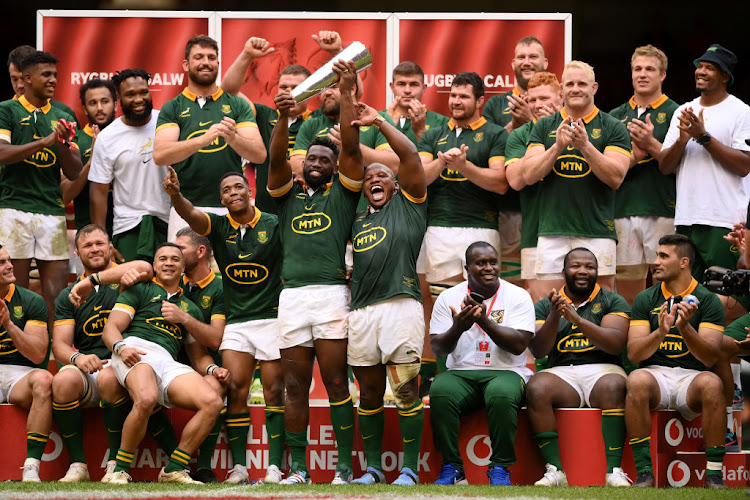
311 223
246 273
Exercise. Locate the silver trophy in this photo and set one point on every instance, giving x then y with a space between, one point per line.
324 78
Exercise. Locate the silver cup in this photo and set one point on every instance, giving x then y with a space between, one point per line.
324 78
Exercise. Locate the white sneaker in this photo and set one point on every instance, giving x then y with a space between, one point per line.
552 477
618 479
237 475
109 471
78 472
273 475
297 477
178 476
30 472
342 477
120 477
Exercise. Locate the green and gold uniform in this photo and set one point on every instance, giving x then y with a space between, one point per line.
573 200
266 118
454 200
144 302
25 307
250 264
89 318
572 347
737 331
33 184
57 104
386 244
208 165
673 351
496 109
82 203
318 126
208 295
515 148
645 190
432 120
318 226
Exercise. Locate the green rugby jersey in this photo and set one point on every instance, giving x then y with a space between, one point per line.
33 184
199 174
515 148
673 350
315 229
572 347
496 109
25 307
574 202
208 295
645 190
386 244
318 126
455 201
143 301
250 265
82 202
59 105
266 118
88 319
432 120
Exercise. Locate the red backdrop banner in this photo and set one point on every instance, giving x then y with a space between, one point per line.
444 47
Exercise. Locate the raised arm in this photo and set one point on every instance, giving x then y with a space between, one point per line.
279 168
350 160
197 220
254 48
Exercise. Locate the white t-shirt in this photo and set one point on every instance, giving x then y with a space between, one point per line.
707 192
125 154
512 307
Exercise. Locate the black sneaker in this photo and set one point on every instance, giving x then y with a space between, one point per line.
731 444
715 482
646 480
205 476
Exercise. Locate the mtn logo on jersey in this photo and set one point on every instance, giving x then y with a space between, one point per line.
216 145
572 166
6 344
452 175
246 273
166 327
44 158
673 346
369 238
94 326
311 223
575 342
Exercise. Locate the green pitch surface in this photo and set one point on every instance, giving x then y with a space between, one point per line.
153 491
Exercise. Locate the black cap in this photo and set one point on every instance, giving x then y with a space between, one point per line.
722 57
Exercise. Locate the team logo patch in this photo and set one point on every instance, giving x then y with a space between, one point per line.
18 311
364 129
426 127
184 305
553 134
596 133
262 236
25 121
479 137
596 308
226 108
206 301
661 118
185 113
114 286
497 316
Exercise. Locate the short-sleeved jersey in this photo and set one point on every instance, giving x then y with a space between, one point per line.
455 201
25 308
143 303
572 347
645 190
209 164
574 202
250 265
82 203
208 295
57 104
315 229
318 126
386 244
673 350
515 148
89 318
403 123
497 111
32 184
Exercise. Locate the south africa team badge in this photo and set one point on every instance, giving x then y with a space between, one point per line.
262 236
18 311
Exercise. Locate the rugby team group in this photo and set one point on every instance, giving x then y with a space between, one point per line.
374 244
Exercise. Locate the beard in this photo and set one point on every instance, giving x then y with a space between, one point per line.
200 79
138 117
579 291
101 125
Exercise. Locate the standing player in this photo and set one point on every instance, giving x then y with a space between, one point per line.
247 249
24 341
205 132
583 156
386 325
675 343
644 203
15 63
583 330
34 148
124 154
316 221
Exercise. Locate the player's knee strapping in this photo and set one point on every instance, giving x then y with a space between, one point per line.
398 377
